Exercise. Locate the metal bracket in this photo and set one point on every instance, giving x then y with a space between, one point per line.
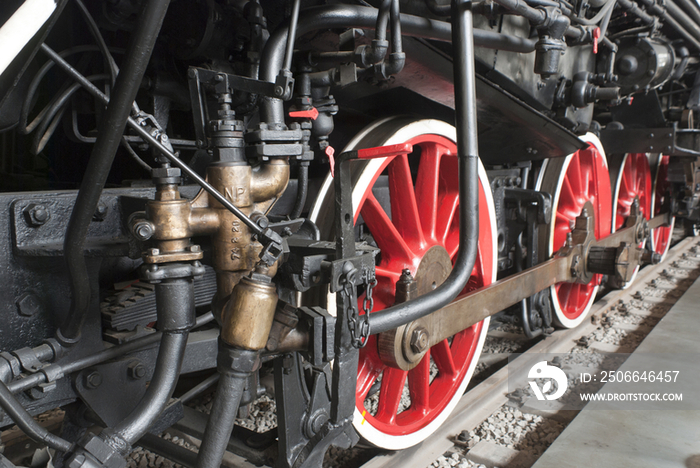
672 141
305 428
39 223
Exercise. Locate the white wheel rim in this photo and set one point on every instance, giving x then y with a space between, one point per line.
404 133
559 317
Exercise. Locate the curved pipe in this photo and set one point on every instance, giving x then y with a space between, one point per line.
352 16
468 153
27 424
270 180
176 311
109 135
168 363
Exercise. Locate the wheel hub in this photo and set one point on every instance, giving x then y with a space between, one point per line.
433 270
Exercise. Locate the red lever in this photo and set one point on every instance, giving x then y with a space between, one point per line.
384 151
330 152
596 36
305 114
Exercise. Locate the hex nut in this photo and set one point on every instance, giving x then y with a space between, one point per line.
165 172
136 370
28 304
93 380
419 340
143 230
36 215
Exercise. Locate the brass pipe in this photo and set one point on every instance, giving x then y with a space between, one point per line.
270 181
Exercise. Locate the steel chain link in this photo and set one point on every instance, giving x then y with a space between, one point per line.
359 324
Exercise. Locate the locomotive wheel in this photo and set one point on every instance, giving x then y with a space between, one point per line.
416 228
632 180
661 236
573 181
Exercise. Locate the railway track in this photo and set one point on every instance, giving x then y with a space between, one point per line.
655 290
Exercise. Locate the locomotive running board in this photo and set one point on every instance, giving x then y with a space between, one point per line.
671 141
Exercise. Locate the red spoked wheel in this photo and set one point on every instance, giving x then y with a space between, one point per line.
575 181
632 181
660 202
409 204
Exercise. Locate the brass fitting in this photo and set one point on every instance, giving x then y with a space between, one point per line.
248 314
170 221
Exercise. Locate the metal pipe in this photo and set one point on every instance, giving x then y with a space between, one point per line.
353 16
110 131
468 153
38 378
668 19
396 46
199 388
302 191
679 15
290 40
160 389
221 419
534 15
690 7
382 20
27 424
633 8
176 312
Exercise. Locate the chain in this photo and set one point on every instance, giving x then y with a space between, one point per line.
359 324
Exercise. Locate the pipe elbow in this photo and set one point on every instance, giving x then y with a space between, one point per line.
270 180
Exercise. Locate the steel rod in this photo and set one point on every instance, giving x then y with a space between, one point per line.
110 131
27 424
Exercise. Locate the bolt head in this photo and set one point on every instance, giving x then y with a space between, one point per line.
419 340
93 380
136 370
194 248
28 304
143 230
36 215
153 252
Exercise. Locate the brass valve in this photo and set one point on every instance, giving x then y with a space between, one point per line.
170 221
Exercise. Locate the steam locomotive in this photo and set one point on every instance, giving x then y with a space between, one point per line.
320 201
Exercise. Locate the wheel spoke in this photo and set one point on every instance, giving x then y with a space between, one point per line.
390 394
426 189
419 385
567 192
442 355
367 373
447 213
387 273
387 237
404 210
